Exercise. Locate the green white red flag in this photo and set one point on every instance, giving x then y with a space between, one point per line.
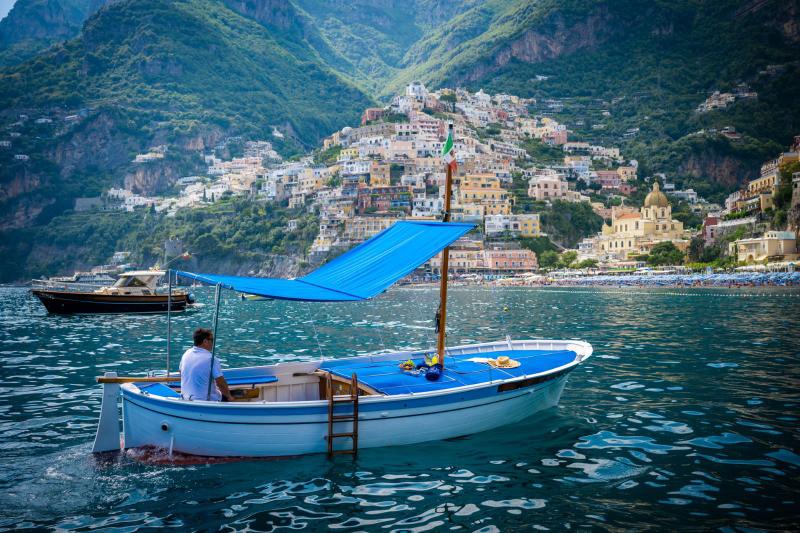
449 153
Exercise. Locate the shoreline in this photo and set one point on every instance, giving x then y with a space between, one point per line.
743 280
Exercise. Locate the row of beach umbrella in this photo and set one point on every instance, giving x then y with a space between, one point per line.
758 279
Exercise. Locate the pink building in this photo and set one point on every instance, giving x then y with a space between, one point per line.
608 179
548 186
371 114
431 126
555 138
710 229
510 260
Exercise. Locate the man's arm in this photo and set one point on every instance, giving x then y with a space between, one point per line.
222 385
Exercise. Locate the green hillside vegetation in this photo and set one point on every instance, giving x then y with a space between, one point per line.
234 231
369 40
192 63
362 40
662 61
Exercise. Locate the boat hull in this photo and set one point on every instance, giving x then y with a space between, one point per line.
280 431
66 302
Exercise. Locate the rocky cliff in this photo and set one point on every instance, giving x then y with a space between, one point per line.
726 170
96 142
33 25
276 13
554 38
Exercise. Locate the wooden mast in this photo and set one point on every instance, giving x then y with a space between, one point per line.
441 315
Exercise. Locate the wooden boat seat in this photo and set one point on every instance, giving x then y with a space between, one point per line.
386 378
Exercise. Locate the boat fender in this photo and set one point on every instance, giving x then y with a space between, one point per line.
164 426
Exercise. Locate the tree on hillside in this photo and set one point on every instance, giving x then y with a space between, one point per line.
568 258
696 247
548 259
449 98
537 245
569 222
665 253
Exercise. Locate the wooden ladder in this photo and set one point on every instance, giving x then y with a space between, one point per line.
352 398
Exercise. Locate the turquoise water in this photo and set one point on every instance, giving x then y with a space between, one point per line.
685 418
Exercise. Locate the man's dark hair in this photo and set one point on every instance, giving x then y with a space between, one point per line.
201 334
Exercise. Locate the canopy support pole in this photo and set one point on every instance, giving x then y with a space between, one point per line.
441 314
169 317
214 341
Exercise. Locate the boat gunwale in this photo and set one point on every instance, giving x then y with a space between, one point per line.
131 388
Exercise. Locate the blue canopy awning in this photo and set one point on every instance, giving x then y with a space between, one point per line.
362 273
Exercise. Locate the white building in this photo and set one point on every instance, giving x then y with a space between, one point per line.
689 195
525 225
427 206
416 90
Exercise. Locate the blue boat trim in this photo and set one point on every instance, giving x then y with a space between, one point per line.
322 409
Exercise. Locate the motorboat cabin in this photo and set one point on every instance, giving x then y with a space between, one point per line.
138 282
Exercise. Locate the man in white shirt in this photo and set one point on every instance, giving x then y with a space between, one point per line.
196 370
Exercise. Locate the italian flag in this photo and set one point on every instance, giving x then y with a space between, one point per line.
449 153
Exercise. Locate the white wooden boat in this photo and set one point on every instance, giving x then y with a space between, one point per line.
341 405
286 412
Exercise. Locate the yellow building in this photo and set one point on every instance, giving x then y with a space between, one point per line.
482 190
780 245
333 140
759 193
627 173
348 154
764 184
312 179
529 225
380 174
525 225
362 228
633 234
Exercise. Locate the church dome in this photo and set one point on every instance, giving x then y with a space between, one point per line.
656 198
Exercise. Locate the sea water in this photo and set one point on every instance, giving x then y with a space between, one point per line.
686 417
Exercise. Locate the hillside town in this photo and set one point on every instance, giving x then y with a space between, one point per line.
389 168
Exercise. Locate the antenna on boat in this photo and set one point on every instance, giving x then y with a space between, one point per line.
448 155
169 316
214 341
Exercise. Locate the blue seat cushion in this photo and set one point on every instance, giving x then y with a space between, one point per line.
158 389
